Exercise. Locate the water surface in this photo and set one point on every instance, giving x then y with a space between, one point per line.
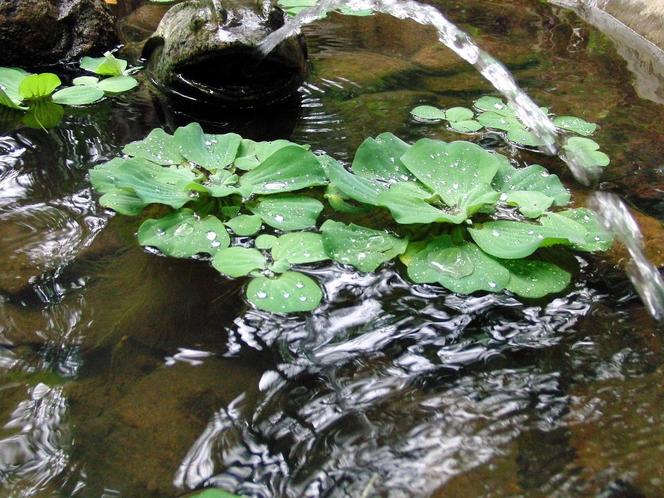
123 373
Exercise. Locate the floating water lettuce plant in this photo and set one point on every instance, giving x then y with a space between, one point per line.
294 7
453 214
39 97
116 75
494 114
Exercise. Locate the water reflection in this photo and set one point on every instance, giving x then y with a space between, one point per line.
380 392
35 452
122 372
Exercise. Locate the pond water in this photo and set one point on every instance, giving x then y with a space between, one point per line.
123 373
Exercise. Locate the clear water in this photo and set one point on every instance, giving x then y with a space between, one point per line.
126 374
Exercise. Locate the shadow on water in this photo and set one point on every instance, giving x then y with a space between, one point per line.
123 373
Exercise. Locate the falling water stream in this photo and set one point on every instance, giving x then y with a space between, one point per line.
611 209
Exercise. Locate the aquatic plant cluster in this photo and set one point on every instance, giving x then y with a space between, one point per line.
453 214
40 95
492 114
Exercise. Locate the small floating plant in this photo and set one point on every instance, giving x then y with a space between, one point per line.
451 214
41 96
494 115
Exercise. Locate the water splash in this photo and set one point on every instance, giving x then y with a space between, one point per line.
613 211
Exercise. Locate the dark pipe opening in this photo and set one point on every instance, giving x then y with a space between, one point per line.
238 78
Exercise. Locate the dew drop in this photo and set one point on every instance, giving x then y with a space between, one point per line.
303 298
261 295
493 285
184 229
299 285
278 218
211 235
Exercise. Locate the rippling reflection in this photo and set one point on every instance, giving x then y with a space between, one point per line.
35 451
127 374
383 398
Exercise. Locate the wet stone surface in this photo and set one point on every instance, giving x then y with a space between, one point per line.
39 32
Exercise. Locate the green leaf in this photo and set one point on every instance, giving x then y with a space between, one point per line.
213 152
459 172
523 137
338 201
294 7
265 241
408 205
124 202
238 261
364 248
10 81
455 114
468 126
535 279
158 147
108 65
532 204
592 236
210 492
290 292
440 257
78 95
495 105
287 212
37 86
250 154
230 211
222 184
577 125
348 11
428 113
299 248
86 81
353 186
462 268
102 176
152 183
514 239
183 234
533 178
6 101
43 114
586 152
118 84
245 224
500 121
290 168
380 159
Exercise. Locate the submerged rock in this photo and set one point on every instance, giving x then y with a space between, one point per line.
204 51
38 32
